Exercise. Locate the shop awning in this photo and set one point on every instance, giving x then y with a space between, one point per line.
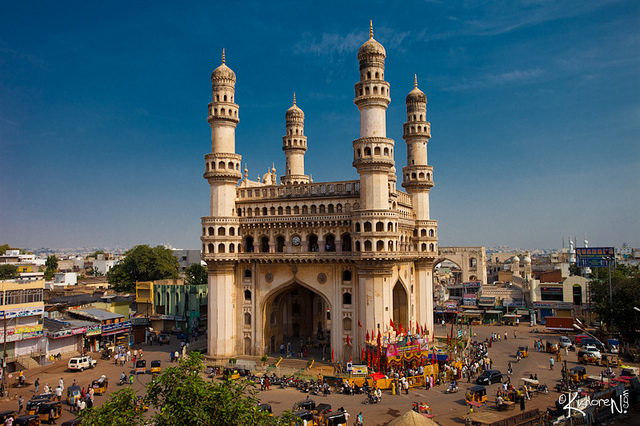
511 316
472 312
493 311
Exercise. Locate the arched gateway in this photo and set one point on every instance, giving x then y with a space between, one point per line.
306 261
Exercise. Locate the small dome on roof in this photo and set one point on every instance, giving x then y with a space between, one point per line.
371 46
527 260
223 72
516 259
294 112
416 95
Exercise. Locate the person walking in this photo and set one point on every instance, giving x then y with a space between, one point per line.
36 384
406 386
20 403
551 363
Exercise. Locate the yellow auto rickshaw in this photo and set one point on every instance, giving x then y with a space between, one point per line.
74 393
141 366
140 404
577 374
34 403
477 394
551 347
524 351
306 405
156 366
100 385
610 360
4 415
49 411
304 417
28 420
231 373
336 419
266 407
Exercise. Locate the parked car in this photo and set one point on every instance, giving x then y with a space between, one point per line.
488 377
579 338
80 363
565 342
592 342
589 350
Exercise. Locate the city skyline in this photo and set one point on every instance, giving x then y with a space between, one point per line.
533 107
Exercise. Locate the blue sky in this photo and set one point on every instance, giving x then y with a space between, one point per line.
534 109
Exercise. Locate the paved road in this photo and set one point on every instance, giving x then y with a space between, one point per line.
448 409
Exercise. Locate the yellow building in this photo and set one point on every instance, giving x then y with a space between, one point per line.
21 317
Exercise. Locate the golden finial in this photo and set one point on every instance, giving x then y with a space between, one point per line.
415 80
294 98
370 28
223 61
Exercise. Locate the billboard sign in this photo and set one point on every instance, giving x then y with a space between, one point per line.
595 257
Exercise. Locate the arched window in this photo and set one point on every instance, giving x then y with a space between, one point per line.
249 212
264 211
367 227
423 232
330 243
379 226
221 248
264 245
423 247
390 227
247 318
288 210
232 248
247 295
210 248
380 245
415 232
432 247
346 275
376 150
330 208
248 244
346 298
232 231
280 211
247 273
357 226
339 208
367 245
272 211
472 262
431 233
321 209
313 242
346 242
221 231
358 246
390 246
211 231
280 244
314 209
367 151
305 209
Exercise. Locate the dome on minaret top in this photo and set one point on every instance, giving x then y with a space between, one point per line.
294 113
416 95
527 260
223 72
371 46
516 259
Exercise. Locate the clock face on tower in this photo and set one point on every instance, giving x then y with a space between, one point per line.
296 240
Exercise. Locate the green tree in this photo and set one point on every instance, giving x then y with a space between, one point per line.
52 266
196 274
96 253
143 263
186 398
4 248
118 410
8 271
620 314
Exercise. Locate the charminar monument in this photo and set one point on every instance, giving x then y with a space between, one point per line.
312 261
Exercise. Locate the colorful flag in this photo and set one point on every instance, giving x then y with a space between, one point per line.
391 323
367 336
348 341
360 325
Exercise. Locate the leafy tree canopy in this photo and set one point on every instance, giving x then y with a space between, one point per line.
196 274
96 253
183 397
620 313
143 263
52 262
118 410
8 271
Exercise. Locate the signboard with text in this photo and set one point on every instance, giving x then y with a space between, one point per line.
595 257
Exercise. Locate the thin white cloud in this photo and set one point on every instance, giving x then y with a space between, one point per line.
489 80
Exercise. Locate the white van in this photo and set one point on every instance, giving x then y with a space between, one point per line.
80 363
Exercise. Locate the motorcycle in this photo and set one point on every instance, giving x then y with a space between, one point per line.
453 388
371 399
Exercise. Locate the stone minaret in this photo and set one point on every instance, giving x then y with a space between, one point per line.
373 151
417 179
294 145
220 230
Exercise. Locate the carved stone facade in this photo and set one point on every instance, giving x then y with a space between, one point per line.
303 260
